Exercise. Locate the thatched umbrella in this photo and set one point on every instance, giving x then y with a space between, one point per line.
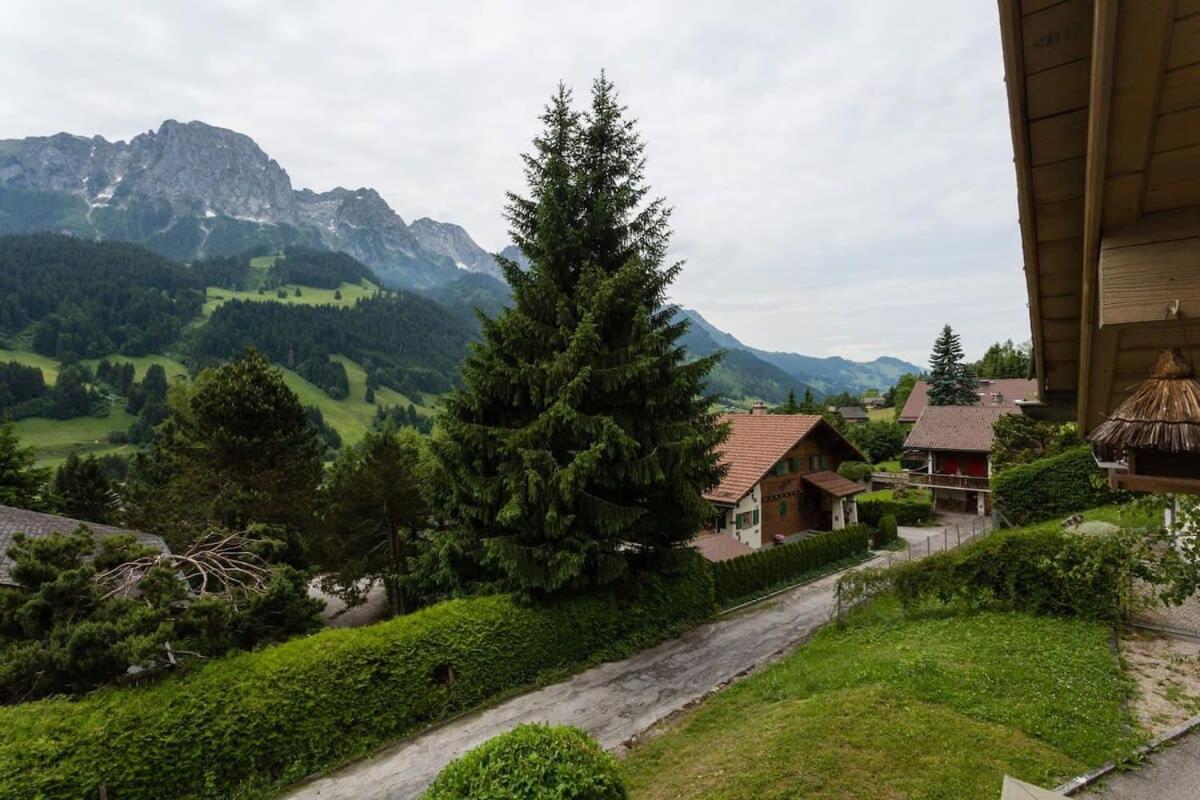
1163 414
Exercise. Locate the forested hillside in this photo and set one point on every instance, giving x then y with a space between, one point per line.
82 299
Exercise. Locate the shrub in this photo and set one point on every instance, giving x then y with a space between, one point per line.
754 572
855 470
1038 570
906 511
888 531
880 440
273 716
1051 487
532 762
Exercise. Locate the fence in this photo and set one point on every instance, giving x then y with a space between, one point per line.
951 536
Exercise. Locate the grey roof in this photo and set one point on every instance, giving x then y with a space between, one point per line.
34 523
853 412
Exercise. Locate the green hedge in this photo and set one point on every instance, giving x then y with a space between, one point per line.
258 719
532 762
906 512
1051 487
888 531
1038 570
746 575
855 470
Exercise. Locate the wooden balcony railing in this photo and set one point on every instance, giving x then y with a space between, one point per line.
948 481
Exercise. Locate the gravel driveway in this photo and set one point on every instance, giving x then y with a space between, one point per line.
613 702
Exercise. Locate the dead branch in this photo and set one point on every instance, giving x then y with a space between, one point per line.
216 564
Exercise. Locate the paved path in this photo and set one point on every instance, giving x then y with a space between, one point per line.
613 702
1172 773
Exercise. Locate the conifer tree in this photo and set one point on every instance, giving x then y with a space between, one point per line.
581 443
951 382
82 490
21 482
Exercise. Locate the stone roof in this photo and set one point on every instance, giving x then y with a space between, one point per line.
993 392
958 428
34 523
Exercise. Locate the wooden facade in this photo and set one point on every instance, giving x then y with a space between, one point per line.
1104 104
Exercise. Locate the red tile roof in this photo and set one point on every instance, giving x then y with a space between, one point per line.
961 428
720 546
756 442
834 484
1010 390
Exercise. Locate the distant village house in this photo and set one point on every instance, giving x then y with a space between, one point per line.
782 481
997 393
951 446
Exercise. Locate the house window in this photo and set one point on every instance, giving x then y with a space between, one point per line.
744 519
793 466
783 467
783 508
816 461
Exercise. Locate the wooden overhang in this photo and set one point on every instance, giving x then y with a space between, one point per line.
1104 105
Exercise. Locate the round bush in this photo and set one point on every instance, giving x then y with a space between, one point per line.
532 762
855 470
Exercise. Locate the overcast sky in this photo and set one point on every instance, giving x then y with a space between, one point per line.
841 173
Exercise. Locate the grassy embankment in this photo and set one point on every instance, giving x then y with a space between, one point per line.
933 705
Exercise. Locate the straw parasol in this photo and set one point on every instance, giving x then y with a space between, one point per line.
1163 413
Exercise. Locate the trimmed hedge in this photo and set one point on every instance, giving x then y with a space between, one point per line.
532 762
1037 570
258 719
745 575
906 512
855 470
888 531
1051 487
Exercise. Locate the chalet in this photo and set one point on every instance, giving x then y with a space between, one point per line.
994 392
1102 105
955 442
781 481
854 415
36 524
875 401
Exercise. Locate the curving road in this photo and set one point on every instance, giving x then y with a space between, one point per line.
613 702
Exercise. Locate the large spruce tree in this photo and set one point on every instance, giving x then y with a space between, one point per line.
951 382
581 443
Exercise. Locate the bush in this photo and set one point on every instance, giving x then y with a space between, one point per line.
1038 570
855 470
754 572
878 439
260 719
532 762
905 511
1051 487
888 531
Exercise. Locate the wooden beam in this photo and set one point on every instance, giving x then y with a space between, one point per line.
1141 280
1104 37
1014 81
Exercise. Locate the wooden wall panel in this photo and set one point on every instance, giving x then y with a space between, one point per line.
1057 34
1181 89
1030 6
1185 8
1185 42
1056 90
1061 220
1061 180
1178 129
1139 281
1059 137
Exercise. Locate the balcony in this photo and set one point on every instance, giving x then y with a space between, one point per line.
939 481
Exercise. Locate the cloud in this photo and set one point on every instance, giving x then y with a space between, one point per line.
841 173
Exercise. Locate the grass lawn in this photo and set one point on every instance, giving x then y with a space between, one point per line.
309 296
55 439
939 705
881 414
46 364
351 417
888 466
921 495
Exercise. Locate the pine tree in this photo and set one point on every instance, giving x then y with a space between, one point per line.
581 442
82 490
21 483
951 382
790 406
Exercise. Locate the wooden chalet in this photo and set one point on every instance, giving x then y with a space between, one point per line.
1104 105
952 445
782 479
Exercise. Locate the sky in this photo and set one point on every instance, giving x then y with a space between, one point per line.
841 173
